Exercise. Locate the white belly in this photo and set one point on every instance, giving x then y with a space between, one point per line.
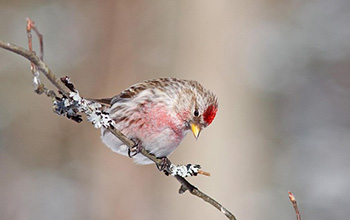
161 145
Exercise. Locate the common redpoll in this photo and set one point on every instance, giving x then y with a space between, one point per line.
158 114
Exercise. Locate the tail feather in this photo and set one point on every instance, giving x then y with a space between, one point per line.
104 101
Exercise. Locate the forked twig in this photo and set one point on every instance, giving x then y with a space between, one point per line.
37 65
31 26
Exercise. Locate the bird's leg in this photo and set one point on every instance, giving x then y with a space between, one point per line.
163 165
136 148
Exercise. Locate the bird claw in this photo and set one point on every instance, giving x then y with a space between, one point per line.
137 148
163 165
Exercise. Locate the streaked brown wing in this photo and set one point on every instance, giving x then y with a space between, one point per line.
134 90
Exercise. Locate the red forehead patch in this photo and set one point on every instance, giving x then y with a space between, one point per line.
209 114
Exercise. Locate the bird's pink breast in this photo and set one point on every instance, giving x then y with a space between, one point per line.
158 129
157 118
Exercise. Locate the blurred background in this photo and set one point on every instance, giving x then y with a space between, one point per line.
279 68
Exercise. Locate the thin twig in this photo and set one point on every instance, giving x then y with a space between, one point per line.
185 185
295 205
40 65
31 26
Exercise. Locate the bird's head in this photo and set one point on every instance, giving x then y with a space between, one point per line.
201 118
203 110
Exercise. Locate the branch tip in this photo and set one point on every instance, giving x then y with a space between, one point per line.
203 173
295 205
291 196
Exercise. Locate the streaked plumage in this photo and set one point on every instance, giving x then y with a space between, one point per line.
159 113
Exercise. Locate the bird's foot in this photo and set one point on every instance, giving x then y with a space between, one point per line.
137 148
163 165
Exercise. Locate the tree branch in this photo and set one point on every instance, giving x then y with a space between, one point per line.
295 205
31 56
67 93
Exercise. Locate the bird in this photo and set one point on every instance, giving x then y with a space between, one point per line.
157 114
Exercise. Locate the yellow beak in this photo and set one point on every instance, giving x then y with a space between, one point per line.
195 130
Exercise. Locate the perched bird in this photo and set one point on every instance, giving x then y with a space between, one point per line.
158 114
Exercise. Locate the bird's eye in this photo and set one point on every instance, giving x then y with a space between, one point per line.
196 113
